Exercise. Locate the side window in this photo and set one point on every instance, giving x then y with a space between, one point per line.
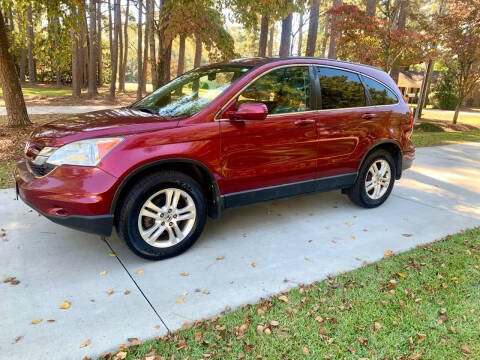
340 89
285 90
380 94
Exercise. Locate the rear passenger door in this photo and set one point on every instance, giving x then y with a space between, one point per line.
345 121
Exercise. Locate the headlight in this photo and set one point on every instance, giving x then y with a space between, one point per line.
83 153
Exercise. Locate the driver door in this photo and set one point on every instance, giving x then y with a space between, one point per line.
257 155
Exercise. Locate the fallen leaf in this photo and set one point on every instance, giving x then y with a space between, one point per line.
133 341
51 320
179 301
308 258
388 253
283 298
274 323
421 337
452 330
260 329
126 292
17 338
206 292
185 293
207 246
454 278
402 275
228 308
254 264
8 279
378 325
347 223
37 321
85 343
112 254
465 349
407 235
184 273
65 305
104 272
139 272
305 351
120 355
109 291
352 236
220 257
267 331
15 282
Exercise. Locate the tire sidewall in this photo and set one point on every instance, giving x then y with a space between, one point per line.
381 155
140 194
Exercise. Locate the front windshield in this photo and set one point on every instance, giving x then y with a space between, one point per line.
191 92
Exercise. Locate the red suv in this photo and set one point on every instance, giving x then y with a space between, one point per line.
217 137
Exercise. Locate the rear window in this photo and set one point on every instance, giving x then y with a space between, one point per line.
380 94
340 89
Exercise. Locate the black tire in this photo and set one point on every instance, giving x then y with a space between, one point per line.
127 224
358 194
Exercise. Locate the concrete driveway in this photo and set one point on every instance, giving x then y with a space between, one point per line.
293 241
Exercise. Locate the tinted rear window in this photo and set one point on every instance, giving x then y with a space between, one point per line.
380 94
340 89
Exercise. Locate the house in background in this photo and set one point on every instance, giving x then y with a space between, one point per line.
410 82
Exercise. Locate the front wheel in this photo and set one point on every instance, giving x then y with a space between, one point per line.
375 181
163 215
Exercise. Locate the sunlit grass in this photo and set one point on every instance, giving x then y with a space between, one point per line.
423 139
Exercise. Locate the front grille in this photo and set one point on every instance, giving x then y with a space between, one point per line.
40 170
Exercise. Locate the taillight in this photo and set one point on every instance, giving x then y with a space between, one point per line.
411 117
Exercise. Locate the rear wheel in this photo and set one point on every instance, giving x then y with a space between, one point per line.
163 215
375 181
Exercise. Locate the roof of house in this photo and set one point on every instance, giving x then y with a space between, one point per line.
412 79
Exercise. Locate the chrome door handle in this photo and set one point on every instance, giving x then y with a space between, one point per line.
368 116
303 122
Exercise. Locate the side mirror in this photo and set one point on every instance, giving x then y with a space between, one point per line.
250 111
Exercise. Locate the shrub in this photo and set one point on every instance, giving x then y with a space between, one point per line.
444 96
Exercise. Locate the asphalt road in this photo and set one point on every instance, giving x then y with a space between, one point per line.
292 241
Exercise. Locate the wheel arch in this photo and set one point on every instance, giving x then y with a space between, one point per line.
194 168
393 148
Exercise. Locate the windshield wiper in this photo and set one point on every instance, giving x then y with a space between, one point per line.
145 109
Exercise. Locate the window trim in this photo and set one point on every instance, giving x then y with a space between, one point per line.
315 92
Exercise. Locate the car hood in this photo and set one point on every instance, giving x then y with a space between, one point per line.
103 123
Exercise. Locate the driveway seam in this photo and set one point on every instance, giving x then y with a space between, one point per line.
136 284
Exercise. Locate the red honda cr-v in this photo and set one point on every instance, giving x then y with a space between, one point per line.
217 137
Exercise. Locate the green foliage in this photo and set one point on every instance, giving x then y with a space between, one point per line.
444 92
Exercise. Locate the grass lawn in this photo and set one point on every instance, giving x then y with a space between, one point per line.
6 177
421 304
422 139
43 91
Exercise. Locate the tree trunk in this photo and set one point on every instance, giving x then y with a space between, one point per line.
99 44
125 51
402 21
198 53
56 60
300 36
12 91
286 36
181 56
146 46
457 108
164 59
76 63
262 44
84 36
110 28
32 76
139 51
332 51
371 7
312 29
120 51
151 42
270 40
92 58
114 55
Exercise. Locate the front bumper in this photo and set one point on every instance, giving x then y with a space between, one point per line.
73 196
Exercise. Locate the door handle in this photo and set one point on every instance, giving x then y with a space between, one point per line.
303 122
368 116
